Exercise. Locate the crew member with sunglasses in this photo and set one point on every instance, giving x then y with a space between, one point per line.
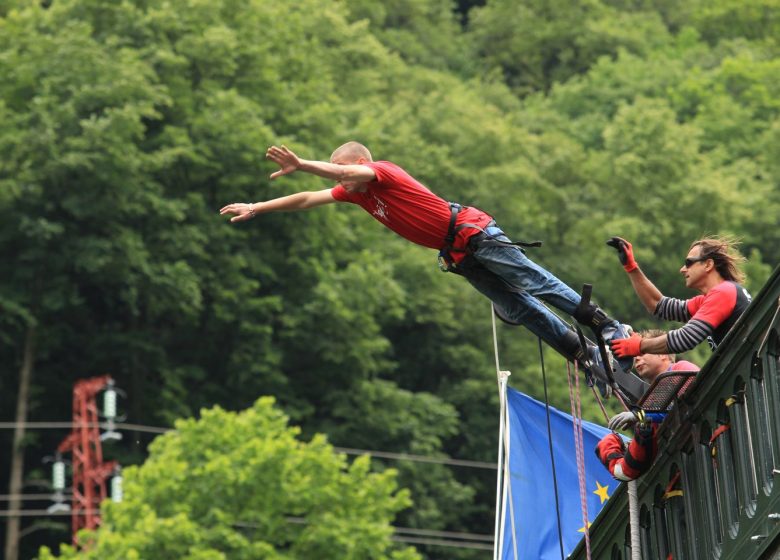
713 268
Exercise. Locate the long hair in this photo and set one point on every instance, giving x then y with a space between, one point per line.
723 252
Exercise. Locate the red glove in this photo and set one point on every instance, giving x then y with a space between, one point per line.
626 347
625 253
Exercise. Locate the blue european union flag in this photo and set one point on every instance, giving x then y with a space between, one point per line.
536 523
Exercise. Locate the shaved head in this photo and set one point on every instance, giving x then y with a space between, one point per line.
351 152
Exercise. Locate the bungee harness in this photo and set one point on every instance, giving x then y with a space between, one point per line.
480 239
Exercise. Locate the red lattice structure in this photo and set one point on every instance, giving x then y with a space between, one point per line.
89 470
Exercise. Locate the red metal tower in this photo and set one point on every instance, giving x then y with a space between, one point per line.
89 470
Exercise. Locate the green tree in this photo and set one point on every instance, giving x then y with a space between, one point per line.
726 19
423 32
536 43
240 486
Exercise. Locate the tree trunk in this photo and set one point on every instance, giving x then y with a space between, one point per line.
15 483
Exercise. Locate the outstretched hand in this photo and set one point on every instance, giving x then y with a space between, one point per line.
241 210
625 253
285 158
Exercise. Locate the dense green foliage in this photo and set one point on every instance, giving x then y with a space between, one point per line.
242 486
125 125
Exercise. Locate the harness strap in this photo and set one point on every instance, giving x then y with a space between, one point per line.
488 239
481 238
590 314
451 231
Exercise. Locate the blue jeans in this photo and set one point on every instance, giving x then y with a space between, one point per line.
519 286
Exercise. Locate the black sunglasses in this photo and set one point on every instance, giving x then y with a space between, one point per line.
690 262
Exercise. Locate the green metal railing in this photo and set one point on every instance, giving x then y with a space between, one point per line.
723 438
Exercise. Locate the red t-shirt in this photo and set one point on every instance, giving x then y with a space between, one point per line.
720 307
683 365
410 209
715 306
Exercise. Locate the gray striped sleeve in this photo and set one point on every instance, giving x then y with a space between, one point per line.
672 309
688 336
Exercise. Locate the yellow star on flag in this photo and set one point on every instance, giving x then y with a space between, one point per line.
582 529
601 492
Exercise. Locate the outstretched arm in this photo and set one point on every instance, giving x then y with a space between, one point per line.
242 211
673 342
289 163
657 345
636 345
648 294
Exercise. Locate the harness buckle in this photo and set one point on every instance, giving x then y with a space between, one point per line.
444 265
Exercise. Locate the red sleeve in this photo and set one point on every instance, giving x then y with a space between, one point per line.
340 193
694 304
386 173
716 306
609 450
629 463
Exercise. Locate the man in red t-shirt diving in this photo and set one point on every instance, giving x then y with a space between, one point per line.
469 241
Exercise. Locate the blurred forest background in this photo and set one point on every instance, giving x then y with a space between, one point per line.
126 124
